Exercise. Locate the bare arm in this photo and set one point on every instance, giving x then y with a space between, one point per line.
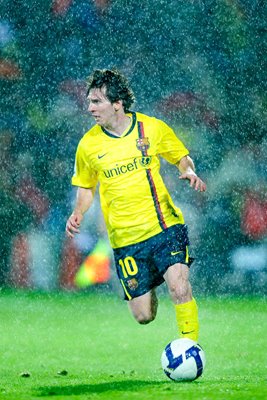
84 200
187 168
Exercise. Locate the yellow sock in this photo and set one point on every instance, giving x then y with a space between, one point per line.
187 320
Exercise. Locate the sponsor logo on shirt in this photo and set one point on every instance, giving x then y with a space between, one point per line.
145 161
125 168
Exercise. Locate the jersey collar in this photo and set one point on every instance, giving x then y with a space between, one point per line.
129 130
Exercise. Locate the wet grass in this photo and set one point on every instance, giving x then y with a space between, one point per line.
78 347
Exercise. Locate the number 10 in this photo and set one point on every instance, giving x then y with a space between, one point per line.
128 266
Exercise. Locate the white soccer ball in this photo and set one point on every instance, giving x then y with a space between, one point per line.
183 360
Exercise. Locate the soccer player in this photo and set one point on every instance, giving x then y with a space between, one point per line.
146 230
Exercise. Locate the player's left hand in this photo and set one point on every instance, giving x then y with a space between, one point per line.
195 181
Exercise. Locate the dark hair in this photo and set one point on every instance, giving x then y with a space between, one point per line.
116 84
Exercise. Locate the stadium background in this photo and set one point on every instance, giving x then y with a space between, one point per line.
199 65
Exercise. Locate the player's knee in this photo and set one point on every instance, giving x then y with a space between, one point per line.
180 293
144 318
144 321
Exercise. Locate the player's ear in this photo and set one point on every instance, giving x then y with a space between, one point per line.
117 105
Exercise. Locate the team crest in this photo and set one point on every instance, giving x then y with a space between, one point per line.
145 161
142 144
132 284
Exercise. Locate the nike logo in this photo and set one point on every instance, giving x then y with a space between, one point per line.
102 155
175 252
186 333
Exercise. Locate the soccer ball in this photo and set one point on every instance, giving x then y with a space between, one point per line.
183 360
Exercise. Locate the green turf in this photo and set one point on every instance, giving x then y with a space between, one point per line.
109 356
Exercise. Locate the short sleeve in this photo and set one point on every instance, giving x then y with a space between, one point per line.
171 147
84 176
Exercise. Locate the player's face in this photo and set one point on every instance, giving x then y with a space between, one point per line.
100 107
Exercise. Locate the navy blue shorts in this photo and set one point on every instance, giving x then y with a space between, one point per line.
141 266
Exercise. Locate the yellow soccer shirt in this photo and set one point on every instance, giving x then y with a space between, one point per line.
134 199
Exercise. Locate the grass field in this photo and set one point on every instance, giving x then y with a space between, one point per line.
107 355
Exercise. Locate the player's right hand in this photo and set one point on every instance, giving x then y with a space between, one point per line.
73 224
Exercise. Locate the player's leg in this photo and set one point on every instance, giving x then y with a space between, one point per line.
144 307
177 280
138 277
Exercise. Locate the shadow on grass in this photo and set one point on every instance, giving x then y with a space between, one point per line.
119 386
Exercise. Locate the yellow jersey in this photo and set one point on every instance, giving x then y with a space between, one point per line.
134 199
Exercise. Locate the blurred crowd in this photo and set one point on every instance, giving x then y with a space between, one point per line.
198 65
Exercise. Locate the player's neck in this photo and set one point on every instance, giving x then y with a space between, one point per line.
119 124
